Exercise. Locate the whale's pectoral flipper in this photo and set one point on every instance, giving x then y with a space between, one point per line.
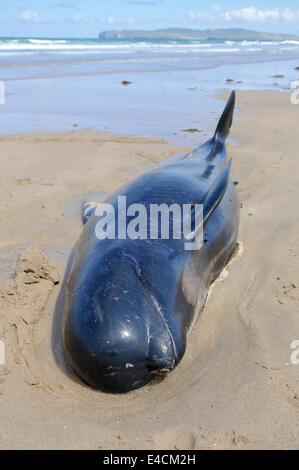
87 209
216 193
213 150
212 199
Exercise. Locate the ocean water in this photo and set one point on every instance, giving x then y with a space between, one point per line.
54 84
102 55
157 48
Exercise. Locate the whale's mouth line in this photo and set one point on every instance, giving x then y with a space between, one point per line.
155 303
162 372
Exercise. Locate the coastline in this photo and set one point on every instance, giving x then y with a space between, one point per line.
236 387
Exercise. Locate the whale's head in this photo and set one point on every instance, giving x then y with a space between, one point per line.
115 334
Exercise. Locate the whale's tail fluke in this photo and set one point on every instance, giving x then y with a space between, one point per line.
225 122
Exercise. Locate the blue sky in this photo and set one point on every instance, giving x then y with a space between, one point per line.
85 18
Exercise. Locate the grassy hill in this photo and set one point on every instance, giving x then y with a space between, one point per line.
181 33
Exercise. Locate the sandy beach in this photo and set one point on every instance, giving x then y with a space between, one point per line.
236 387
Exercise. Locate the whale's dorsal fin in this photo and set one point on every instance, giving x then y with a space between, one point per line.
213 150
226 119
216 193
217 154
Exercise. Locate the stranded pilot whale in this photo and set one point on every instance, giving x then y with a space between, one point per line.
131 303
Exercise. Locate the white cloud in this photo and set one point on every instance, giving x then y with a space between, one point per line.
198 15
248 15
65 5
215 7
31 16
290 16
254 15
118 21
77 17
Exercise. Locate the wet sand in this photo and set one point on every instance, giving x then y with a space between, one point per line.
236 386
159 102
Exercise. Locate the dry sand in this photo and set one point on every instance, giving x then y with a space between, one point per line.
236 387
